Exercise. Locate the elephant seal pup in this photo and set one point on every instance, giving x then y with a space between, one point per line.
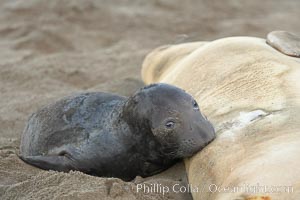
113 136
285 42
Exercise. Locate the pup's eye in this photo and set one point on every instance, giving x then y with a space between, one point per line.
195 105
170 124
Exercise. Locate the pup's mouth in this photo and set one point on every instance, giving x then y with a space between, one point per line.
191 153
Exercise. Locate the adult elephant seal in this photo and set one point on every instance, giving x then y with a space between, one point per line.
113 136
251 92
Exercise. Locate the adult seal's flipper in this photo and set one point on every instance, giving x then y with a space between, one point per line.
285 42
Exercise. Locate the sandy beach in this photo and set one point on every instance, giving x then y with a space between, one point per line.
51 49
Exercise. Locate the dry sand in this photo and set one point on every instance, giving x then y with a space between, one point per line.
50 49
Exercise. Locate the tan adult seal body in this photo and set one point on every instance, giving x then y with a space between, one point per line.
112 136
251 91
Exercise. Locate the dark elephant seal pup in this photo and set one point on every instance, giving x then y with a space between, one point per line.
113 136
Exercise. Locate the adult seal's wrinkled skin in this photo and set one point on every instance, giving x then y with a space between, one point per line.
113 136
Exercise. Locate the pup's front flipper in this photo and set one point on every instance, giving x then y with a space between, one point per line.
61 163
